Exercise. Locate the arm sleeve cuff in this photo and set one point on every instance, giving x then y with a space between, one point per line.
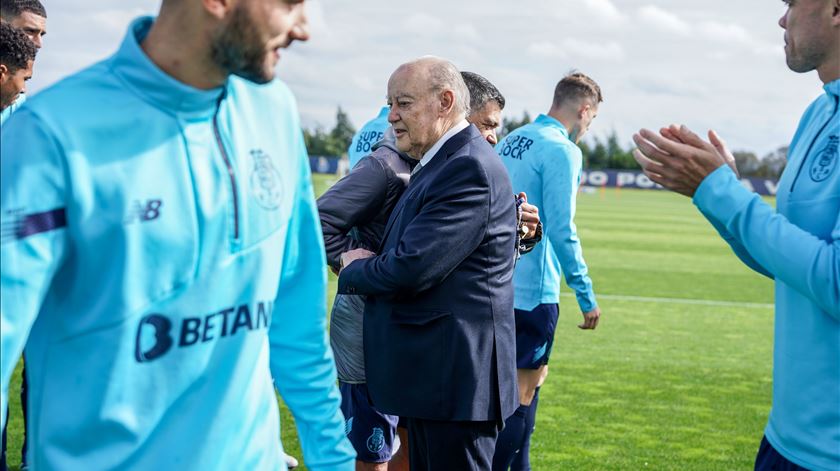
720 195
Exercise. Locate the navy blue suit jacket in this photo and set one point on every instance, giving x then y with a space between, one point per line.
439 331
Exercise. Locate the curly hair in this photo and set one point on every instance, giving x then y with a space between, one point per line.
17 49
14 8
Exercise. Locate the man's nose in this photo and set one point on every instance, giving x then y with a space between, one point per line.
300 31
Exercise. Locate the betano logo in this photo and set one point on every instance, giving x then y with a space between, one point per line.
155 337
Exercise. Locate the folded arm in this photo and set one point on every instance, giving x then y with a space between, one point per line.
354 200
450 225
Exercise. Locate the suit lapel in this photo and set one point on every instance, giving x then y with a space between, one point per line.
451 146
395 213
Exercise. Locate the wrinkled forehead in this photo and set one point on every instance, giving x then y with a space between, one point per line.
409 80
491 108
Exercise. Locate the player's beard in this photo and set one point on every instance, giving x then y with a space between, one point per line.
238 49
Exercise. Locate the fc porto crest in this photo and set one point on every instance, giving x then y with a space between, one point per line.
826 160
376 440
266 184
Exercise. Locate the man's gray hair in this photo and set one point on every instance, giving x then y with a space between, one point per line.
445 76
482 91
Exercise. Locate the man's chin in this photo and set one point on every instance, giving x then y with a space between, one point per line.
257 76
402 144
411 152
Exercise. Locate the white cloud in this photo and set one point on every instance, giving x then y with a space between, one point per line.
113 20
467 32
607 50
423 24
651 74
605 9
663 20
572 47
545 49
726 32
737 35
664 86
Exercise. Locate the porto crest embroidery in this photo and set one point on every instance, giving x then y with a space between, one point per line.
266 184
826 160
376 440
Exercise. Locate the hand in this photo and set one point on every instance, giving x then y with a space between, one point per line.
685 136
352 255
590 319
679 165
530 217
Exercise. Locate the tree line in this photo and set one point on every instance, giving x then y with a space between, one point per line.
597 153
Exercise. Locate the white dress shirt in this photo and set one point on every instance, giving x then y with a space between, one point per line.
429 155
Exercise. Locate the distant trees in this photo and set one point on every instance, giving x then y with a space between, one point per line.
597 153
335 142
773 163
509 124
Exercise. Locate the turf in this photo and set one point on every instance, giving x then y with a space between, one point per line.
661 384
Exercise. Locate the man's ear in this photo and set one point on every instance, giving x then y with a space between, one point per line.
583 108
4 72
218 8
447 101
835 13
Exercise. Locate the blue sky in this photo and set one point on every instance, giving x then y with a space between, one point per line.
708 64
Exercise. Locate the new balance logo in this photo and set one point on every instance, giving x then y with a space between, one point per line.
143 211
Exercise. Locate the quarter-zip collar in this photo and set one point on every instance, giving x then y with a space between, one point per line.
143 77
833 90
546 120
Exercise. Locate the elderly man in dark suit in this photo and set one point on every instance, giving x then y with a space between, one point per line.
439 331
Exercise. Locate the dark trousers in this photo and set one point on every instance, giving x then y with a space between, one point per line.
768 459
436 445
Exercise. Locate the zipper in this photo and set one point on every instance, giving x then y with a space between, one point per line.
814 141
232 176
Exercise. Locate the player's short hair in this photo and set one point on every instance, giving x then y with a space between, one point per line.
482 91
14 8
576 86
17 49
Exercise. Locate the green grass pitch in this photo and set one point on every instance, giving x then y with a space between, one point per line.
678 374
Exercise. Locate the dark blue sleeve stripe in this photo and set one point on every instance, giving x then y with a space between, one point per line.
37 223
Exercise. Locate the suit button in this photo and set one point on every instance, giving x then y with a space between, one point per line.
351 290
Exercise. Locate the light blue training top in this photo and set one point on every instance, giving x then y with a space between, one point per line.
799 246
162 262
544 163
372 132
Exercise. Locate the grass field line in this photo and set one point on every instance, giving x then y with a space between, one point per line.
700 302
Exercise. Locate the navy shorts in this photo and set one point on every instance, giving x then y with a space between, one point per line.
768 459
535 335
370 432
